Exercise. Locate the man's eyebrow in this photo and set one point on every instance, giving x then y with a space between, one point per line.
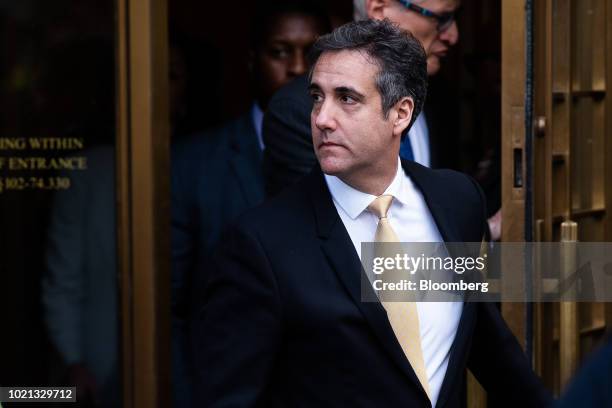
348 90
314 87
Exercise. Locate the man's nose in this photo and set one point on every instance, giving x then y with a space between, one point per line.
451 34
297 65
324 117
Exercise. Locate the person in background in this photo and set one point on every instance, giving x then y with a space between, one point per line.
190 63
79 283
216 175
419 146
592 385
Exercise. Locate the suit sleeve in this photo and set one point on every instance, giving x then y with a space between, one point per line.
499 364
496 358
481 212
237 326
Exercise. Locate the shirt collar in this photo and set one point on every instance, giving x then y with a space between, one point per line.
257 116
354 202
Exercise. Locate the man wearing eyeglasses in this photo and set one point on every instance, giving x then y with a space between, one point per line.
447 30
289 153
432 22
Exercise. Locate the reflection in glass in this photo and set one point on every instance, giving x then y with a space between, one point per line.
57 204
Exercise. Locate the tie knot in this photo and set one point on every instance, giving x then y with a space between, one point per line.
380 205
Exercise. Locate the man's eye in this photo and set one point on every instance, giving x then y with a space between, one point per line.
348 99
316 98
279 52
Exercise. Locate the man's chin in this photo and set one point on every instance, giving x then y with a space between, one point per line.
330 171
330 167
433 65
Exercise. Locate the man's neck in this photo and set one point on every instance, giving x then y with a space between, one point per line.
373 183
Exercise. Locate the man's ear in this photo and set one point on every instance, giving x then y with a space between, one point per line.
375 8
403 114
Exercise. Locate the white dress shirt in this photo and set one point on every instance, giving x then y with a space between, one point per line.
412 221
257 116
419 141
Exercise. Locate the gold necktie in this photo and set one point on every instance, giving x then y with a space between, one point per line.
403 316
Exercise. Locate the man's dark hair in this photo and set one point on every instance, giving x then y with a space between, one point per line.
400 57
270 11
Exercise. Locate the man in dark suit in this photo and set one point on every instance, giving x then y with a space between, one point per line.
281 321
216 175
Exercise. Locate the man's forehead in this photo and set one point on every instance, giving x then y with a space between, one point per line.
444 6
344 61
346 68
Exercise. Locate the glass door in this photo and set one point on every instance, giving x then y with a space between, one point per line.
84 200
58 249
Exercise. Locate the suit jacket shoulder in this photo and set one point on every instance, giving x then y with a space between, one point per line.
205 161
454 199
286 131
453 196
204 146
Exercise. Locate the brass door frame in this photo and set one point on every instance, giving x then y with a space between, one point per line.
513 139
143 201
608 151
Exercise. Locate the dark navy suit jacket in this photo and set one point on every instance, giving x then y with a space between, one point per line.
282 324
215 177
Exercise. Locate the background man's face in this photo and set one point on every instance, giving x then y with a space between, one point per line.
436 44
283 55
350 135
440 46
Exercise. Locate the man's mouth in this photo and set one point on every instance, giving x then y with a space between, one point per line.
329 144
440 54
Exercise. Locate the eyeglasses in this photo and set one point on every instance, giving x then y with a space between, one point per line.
445 20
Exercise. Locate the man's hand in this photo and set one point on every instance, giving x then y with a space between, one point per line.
495 223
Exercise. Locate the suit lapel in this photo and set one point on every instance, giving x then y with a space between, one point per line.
446 226
246 160
340 252
458 352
